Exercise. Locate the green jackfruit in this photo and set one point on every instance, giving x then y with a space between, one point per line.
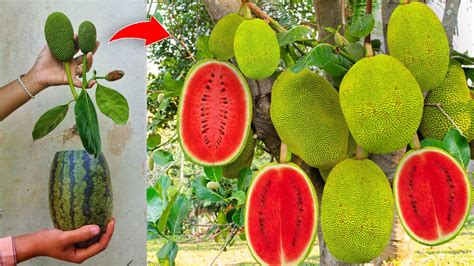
60 36
416 37
256 49
470 131
382 103
306 114
221 41
454 96
244 160
87 36
357 211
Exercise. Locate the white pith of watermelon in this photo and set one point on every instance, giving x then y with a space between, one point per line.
276 240
434 209
227 122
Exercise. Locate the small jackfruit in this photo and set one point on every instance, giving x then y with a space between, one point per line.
357 211
453 95
306 114
244 160
416 37
221 40
382 104
256 49
86 37
60 36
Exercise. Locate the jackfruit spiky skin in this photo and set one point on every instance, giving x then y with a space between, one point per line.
382 104
244 160
416 37
470 132
256 49
60 36
357 211
221 40
86 37
454 96
306 114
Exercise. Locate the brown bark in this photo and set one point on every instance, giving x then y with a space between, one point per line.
450 19
329 13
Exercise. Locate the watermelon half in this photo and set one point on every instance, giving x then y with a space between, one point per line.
432 194
281 215
214 113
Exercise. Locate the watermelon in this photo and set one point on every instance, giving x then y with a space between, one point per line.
215 111
281 215
432 193
80 192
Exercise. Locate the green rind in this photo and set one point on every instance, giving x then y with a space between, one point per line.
221 40
183 92
86 37
80 192
395 189
59 35
315 197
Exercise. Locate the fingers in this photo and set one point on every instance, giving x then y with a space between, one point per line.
82 234
83 254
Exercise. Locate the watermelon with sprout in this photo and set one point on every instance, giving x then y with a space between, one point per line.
215 111
432 193
281 215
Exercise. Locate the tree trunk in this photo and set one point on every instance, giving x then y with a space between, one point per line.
450 19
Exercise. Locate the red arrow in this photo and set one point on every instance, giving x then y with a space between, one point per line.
151 31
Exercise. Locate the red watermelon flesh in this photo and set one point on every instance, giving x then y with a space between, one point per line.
215 113
281 215
432 194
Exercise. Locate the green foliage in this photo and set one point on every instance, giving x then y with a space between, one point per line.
87 123
112 104
362 26
454 143
49 121
324 57
297 33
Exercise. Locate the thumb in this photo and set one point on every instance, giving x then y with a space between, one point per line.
82 234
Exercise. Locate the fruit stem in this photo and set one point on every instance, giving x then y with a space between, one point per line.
404 2
245 11
285 54
440 107
261 14
416 142
69 80
283 152
359 153
85 83
369 52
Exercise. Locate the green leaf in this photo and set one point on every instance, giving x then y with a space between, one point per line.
362 26
458 146
462 58
49 121
202 46
167 253
155 205
162 157
202 192
87 123
356 50
166 213
171 87
434 143
323 57
161 187
239 217
469 72
245 177
153 141
213 173
179 212
238 195
297 33
112 104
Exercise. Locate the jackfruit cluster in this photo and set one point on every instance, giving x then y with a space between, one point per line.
244 160
221 40
382 104
60 36
357 211
86 37
416 37
256 49
306 114
453 96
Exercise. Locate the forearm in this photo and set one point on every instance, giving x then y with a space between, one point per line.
13 96
27 246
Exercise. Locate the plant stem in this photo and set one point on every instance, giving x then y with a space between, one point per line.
285 54
369 52
283 153
359 152
85 83
416 142
233 232
261 14
69 79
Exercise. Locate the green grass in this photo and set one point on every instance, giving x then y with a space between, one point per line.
459 251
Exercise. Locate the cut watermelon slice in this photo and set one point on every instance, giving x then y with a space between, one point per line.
214 113
432 193
281 215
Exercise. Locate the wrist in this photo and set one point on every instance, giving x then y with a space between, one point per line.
32 82
27 246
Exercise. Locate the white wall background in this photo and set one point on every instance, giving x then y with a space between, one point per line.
24 164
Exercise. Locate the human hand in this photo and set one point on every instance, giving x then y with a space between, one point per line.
48 71
59 244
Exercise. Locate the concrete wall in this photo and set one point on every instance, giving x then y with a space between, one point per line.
24 164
